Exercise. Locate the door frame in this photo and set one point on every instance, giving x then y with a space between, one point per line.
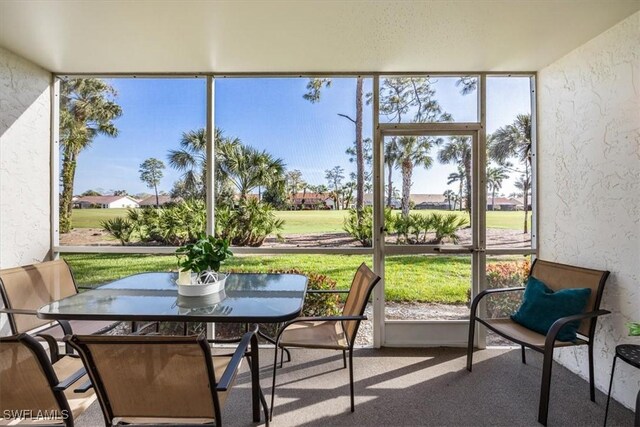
412 333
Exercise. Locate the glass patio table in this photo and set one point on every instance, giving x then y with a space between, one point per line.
247 298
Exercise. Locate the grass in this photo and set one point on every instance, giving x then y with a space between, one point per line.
419 278
301 222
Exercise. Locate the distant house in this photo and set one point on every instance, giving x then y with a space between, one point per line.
162 200
105 202
505 204
306 201
395 202
429 201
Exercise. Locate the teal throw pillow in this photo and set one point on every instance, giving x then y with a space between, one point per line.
542 306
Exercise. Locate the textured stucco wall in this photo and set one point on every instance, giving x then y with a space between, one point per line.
589 184
24 161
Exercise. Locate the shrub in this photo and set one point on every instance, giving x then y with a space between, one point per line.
446 226
175 224
248 224
505 275
120 228
360 230
402 226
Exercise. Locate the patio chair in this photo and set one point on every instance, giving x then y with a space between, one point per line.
35 390
555 276
330 332
154 379
25 289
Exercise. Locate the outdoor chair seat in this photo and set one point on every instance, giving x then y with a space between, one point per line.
520 334
327 334
330 332
25 289
31 383
557 277
156 380
220 364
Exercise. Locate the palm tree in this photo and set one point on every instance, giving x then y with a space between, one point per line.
247 168
455 199
191 159
334 177
457 150
523 183
413 151
457 177
87 109
514 140
391 156
449 195
495 176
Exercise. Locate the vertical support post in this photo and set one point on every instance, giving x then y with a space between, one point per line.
534 163
54 165
210 176
378 219
480 177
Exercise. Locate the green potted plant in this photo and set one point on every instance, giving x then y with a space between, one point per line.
199 263
634 329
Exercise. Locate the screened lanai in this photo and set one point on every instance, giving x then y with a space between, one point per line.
446 145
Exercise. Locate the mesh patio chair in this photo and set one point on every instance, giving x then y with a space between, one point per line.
330 332
555 276
34 390
26 289
153 379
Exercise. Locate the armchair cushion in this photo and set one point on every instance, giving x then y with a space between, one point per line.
541 307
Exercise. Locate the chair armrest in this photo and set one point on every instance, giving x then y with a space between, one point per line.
84 387
19 311
66 383
232 368
560 323
476 300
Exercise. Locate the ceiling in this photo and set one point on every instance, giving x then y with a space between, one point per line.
136 36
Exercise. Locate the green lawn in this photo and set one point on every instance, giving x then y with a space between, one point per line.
443 279
301 222
91 218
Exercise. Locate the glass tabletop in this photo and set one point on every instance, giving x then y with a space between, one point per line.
247 298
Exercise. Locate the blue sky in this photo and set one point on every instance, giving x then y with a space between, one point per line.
270 114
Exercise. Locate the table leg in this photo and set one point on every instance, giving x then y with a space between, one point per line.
255 379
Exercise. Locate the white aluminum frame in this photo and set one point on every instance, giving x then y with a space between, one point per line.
378 251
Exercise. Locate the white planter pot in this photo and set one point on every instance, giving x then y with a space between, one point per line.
206 283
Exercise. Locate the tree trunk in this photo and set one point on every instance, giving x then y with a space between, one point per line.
390 185
467 172
68 177
526 209
359 151
460 196
407 171
493 199
155 187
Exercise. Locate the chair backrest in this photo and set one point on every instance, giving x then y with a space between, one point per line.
27 379
150 376
561 276
32 286
363 283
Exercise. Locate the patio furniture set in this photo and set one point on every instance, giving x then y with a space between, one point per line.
183 379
